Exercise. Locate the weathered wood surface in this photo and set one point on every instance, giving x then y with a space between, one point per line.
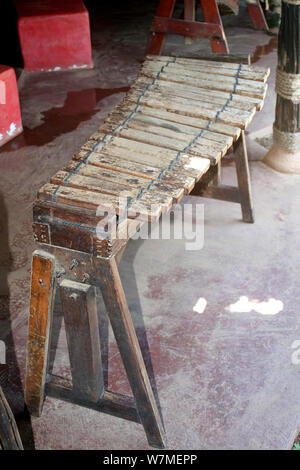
82 331
243 177
40 320
177 118
232 58
135 171
203 80
180 117
210 187
248 72
9 434
191 92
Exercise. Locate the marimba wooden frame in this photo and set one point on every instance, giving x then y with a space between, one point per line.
77 274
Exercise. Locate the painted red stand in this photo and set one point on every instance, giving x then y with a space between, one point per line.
212 28
163 23
257 15
54 34
10 114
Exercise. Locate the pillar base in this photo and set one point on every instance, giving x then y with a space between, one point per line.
281 160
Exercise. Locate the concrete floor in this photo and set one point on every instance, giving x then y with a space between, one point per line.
225 378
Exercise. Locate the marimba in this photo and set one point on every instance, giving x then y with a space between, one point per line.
165 139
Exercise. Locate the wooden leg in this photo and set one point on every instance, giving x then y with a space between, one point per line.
81 322
211 179
217 177
209 186
104 335
156 42
120 318
40 320
257 15
243 177
211 15
189 15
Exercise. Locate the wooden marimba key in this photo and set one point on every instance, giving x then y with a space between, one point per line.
166 138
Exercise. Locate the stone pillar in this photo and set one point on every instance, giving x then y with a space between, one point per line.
284 154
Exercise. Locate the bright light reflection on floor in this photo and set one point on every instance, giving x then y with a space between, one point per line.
244 305
200 305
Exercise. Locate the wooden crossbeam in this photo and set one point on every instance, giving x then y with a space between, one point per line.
110 403
184 27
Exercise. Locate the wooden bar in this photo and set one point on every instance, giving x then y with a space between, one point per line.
243 176
230 58
201 80
193 28
196 93
230 62
200 123
81 323
231 117
40 321
218 68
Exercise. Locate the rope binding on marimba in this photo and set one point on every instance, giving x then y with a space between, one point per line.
108 137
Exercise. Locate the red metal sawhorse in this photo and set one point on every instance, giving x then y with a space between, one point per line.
212 28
